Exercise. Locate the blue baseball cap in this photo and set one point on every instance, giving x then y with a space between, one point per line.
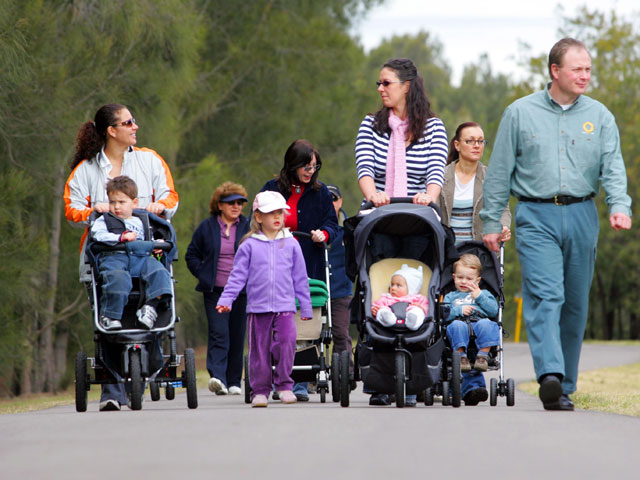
232 197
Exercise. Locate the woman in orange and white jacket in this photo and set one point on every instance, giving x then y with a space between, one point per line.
105 148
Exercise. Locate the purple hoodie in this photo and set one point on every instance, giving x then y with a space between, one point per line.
274 272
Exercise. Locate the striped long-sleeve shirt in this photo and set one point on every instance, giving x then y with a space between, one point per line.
425 158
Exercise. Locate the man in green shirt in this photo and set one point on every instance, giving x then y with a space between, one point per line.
553 149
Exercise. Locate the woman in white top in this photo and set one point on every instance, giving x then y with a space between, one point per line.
461 196
461 202
105 149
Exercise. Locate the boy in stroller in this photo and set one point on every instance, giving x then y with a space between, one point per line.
122 224
403 304
469 307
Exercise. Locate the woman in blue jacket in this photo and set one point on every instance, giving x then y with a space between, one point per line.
210 257
310 211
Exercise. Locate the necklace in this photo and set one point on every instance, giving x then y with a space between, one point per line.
298 189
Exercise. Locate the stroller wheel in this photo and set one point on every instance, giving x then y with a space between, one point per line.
455 380
446 401
493 392
428 397
335 377
511 392
170 392
82 385
137 386
400 379
189 378
345 381
154 390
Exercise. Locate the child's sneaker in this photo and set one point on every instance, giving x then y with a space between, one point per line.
109 323
259 401
287 396
481 364
465 366
147 316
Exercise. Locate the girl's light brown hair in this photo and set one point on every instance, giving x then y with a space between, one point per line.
224 190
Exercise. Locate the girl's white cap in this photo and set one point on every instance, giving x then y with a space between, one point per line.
269 201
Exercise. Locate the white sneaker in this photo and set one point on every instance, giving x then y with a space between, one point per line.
109 323
216 386
235 390
147 316
110 405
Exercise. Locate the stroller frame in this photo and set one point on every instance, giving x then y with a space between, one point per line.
399 340
134 369
450 380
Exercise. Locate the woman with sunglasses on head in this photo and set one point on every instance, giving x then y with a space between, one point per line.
461 202
401 150
310 210
209 258
105 149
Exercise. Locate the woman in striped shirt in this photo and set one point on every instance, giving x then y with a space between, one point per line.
401 150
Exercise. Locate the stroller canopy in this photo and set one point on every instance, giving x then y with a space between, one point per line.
397 230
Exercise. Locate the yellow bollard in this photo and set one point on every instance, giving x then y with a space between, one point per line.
518 300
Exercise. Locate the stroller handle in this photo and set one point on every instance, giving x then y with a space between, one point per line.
369 205
121 247
309 236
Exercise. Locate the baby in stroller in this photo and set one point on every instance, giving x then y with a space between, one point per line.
123 224
470 308
403 304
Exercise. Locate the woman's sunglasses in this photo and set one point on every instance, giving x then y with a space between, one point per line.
126 123
235 202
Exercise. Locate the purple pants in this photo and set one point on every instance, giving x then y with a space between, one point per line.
271 336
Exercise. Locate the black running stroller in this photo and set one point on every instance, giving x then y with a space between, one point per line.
394 360
492 280
133 356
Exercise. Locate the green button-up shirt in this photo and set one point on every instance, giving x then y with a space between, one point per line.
542 150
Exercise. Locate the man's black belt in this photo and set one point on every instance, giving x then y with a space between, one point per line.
557 200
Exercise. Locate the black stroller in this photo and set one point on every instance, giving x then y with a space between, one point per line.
492 280
133 356
394 360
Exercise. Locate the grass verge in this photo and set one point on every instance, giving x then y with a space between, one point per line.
611 390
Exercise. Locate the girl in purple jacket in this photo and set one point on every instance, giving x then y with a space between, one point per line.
270 262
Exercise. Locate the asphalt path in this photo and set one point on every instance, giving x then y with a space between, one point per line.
224 438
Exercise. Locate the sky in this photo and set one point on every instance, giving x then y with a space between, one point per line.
467 29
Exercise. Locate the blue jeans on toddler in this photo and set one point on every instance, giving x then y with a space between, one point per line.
116 270
487 333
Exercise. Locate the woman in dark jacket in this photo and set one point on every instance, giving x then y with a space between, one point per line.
311 206
310 211
210 257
